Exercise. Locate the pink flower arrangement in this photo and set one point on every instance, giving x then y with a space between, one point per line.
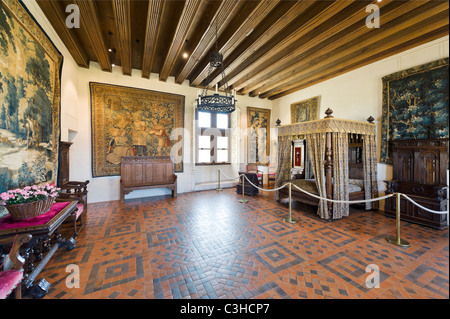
29 194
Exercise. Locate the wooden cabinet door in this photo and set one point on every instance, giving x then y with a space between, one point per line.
403 163
427 168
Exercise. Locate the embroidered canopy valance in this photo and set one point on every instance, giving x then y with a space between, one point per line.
328 125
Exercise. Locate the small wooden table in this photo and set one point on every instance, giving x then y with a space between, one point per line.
44 243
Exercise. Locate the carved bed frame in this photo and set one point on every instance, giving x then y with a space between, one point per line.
329 125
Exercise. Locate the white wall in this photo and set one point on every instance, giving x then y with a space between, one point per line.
356 95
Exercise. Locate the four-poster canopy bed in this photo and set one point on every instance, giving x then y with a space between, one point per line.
339 163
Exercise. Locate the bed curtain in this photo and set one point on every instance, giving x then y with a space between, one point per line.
315 133
284 162
316 150
340 173
370 170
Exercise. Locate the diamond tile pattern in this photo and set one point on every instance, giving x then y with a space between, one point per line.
208 245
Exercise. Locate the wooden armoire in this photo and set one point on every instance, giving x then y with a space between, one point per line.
420 172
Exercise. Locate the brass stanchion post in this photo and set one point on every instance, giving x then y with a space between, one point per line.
218 180
397 240
243 200
289 219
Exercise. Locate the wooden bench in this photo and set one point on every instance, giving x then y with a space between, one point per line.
146 172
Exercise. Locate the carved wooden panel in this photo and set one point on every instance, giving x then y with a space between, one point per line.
405 161
146 170
428 172
420 171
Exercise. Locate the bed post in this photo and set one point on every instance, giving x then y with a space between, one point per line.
329 174
329 167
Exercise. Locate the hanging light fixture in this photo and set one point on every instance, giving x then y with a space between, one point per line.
217 103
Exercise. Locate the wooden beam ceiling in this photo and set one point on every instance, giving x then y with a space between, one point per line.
221 18
54 12
271 48
152 27
122 15
90 25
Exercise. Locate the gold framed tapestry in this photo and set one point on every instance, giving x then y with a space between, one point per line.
306 110
30 98
134 122
258 139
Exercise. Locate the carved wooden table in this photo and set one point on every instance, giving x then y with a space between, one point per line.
43 245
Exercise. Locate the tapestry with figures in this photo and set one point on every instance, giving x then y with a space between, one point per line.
134 122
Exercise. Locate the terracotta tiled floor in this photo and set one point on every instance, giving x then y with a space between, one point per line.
208 245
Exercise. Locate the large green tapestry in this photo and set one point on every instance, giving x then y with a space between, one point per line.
134 122
415 105
29 100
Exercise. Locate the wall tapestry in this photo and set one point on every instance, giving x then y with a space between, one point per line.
258 142
133 122
415 105
306 110
30 94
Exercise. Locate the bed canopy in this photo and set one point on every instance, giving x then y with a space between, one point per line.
327 145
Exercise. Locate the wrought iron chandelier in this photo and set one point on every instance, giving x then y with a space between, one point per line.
216 102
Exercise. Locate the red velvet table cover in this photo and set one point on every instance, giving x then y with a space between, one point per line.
8 222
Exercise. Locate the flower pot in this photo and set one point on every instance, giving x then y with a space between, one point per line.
31 209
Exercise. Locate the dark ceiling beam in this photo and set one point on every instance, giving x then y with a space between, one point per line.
221 18
154 15
279 27
91 24
259 11
184 24
425 38
394 22
122 17
346 56
391 11
318 35
55 14
348 40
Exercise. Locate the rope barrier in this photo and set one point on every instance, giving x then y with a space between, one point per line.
345 201
395 240
230 178
263 189
339 201
424 208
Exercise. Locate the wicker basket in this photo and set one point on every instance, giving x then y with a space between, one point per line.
30 210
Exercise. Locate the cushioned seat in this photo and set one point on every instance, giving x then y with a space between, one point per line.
9 280
11 273
79 211
76 216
